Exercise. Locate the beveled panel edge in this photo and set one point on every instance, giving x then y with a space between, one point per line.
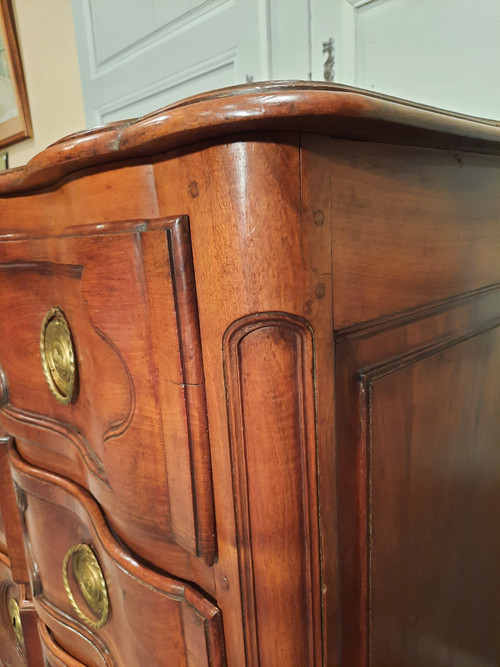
370 374
332 109
233 336
92 229
367 377
386 322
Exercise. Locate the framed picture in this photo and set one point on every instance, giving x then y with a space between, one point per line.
15 119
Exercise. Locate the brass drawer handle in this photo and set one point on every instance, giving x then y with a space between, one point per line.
58 355
90 580
15 619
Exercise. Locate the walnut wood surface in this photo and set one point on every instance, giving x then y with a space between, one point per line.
12 652
13 531
54 655
122 349
330 109
285 303
166 621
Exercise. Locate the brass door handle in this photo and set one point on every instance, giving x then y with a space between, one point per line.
90 580
58 355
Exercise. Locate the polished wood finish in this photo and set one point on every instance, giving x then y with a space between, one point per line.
16 652
122 346
139 598
284 301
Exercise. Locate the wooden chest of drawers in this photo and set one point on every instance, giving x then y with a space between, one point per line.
250 384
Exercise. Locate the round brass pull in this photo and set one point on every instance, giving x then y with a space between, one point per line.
15 619
90 580
58 355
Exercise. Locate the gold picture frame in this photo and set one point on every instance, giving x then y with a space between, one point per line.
15 118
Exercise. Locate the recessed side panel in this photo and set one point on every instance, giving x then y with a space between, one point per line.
418 435
434 458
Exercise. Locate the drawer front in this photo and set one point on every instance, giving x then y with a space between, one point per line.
86 584
55 656
102 376
12 649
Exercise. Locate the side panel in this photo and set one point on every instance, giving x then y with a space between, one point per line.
417 445
434 506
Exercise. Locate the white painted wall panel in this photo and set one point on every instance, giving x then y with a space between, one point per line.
444 53
138 55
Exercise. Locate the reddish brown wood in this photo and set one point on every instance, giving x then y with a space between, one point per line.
3 538
54 654
121 351
331 109
13 529
405 431
285 303
165 620
13 652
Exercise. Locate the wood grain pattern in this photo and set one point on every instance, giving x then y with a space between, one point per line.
431 536
54 654
235 231
325 108
12 652
166 620
388 348
13 530
138 356
420 217
3 538
290 404
269 361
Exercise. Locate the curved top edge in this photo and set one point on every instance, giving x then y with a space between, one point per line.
322 108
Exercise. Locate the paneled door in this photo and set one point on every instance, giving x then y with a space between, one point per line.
136 56
444 53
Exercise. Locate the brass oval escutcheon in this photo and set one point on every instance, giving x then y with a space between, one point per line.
90 580
58 355
15 620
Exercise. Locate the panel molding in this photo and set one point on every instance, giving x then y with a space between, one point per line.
161 33
218 63
368 382
282 345
370 327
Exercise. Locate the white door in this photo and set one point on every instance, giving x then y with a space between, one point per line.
444 53
138 55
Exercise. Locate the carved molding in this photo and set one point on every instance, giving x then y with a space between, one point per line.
270 378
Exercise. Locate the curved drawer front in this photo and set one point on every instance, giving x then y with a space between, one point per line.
12 650
99 603
55 656
102 380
